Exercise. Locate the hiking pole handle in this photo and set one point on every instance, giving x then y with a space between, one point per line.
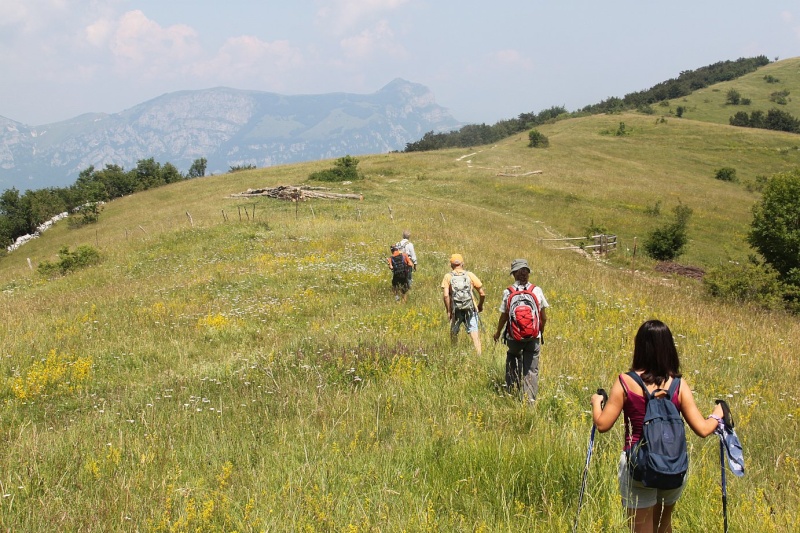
602 392
726 413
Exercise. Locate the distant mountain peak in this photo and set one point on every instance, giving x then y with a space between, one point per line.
229 127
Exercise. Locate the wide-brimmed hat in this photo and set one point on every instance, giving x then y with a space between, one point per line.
516 264
456 259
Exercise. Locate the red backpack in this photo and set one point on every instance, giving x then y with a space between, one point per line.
523 314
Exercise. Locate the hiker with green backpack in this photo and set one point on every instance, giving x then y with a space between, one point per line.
459 301
653 396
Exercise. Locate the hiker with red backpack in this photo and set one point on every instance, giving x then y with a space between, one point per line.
459 301
400 265
521 323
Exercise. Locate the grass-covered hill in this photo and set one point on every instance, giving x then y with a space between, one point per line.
241 365
773 86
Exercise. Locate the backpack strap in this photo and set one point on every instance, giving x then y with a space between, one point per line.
638 379
673 388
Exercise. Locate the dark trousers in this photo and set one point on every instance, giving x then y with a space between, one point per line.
522 367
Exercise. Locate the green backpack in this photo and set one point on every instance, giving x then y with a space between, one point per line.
461 291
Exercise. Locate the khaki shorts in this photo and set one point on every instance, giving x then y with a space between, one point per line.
637 496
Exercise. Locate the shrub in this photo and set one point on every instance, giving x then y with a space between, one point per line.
667 243
769 78
239 168
741 118
757 185
537 139
733 97
726 174
83 256
752 282
780 121
780 97
344 169
775 228
679 111
653 210
198 168
595 229
88 213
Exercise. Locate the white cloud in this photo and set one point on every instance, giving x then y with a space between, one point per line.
341 16
14 12
378 40
788 18
98 33
245 57
512 58
140 43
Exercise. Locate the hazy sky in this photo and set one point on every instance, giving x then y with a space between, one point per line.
484 61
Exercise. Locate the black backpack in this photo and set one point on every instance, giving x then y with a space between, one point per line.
399 266
659 460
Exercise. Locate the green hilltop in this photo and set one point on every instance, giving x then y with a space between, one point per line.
240 364
762 88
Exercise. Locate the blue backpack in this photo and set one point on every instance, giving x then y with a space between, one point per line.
659 460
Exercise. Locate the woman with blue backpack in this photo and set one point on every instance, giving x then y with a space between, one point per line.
653 396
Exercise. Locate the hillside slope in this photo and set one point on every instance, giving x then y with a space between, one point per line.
241 364
762 88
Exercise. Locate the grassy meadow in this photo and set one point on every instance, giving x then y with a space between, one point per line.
244 367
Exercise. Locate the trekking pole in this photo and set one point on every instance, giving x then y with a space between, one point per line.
602 393
724 489
726 417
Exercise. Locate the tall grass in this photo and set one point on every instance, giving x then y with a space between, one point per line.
257 374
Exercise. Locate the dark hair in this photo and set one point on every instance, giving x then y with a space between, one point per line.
654 353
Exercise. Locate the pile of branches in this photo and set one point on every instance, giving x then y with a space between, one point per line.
297 193
668 267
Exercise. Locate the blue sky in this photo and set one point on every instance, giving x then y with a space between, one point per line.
484 61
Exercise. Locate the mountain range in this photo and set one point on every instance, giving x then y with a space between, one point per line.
228 127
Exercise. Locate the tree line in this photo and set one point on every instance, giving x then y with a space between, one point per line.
22 213
480 134
687 82
775 119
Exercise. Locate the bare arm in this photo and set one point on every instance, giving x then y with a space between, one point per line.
703 427
604 418
481 298
542 319
501 322
447 304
